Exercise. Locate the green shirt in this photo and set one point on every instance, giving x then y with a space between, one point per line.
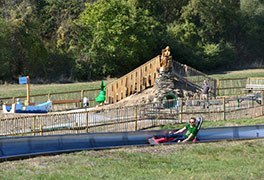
190 130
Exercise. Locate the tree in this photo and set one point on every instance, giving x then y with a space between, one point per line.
115 37
206 32
253 21
5 50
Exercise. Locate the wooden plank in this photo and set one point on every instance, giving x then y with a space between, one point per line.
255 86
66 101
231 79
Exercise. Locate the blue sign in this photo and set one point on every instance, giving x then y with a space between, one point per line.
23 80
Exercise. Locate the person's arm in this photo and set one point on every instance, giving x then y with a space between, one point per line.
180 130
188 138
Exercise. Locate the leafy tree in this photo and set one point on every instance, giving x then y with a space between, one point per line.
253 42
165 11
115 34
5 53
206 32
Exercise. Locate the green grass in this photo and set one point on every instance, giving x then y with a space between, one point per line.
239 74
222 160
11 90
218 160
232 122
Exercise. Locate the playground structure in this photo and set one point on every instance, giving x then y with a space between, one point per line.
145 76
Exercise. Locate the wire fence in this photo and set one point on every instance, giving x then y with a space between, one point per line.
193 76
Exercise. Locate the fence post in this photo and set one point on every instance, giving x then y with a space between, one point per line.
262 101
34 125
82 96
136 118
181 109
41 130
77 127
86 119
224 109
215 88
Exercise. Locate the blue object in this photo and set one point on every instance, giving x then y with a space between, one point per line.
29 146
19 108
23 80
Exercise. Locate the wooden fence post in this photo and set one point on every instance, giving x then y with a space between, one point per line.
34 125
224 109
76 126
41 130
82 96
86 119
136 118
181 109
262 101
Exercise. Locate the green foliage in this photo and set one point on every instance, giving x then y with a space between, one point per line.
5 53
253 14
56 39
165 11
115 35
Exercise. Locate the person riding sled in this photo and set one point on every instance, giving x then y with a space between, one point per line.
191 130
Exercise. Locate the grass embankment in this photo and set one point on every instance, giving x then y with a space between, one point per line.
222 160
232 122
219 160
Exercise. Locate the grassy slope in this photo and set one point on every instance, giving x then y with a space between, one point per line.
240 74
219 160
20 90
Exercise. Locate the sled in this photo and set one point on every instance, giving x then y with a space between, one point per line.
174 138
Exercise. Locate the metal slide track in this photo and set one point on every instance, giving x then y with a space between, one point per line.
22 147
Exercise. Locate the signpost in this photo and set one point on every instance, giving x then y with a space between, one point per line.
26 80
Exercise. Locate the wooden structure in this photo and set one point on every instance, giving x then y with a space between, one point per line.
134 81
255 84
145 76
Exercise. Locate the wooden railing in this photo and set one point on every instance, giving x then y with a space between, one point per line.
133 82
131 118
237 86
231 86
